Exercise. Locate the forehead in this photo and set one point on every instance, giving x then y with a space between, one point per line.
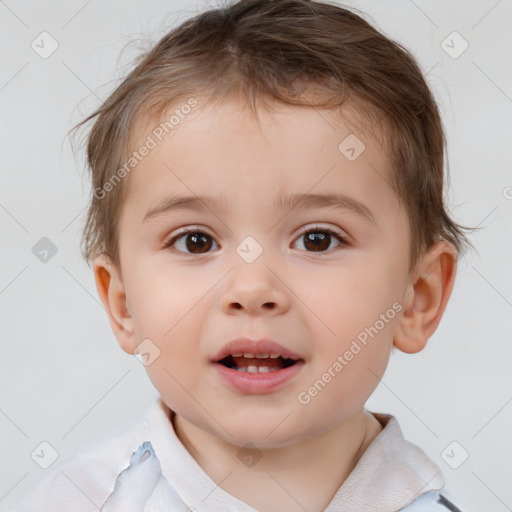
223 150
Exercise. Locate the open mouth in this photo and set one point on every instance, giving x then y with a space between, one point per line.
261 363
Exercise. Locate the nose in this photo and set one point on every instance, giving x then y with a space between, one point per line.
256 289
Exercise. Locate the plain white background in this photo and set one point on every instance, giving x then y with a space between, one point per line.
65 380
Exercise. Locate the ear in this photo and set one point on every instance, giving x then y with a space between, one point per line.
110 286
427 295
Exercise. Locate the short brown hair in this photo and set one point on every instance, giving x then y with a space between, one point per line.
273 49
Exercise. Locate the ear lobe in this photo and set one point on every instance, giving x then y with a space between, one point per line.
427 297
110 286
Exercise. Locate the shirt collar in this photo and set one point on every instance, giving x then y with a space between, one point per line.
392 472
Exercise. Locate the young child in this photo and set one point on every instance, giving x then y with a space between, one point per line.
266 225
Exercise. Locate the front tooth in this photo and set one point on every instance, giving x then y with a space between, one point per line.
246 354
274 356
257 369
238 354
261 356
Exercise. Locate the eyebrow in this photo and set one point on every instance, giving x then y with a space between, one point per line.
305 201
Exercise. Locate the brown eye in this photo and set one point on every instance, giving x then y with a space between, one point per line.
195 242
319 239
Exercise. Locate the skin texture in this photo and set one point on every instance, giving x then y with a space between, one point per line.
191 300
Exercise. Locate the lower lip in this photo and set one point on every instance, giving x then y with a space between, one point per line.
258 383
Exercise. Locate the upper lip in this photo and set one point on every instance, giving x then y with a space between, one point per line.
250 346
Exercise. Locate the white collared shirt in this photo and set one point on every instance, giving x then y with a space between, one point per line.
148 469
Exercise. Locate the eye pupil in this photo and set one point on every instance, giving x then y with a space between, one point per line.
199 240
318 240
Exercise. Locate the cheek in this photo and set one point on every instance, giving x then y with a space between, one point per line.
339 386
176 336
353 296
165 309
162 300
358 309
349 366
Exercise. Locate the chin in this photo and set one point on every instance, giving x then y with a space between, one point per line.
265 435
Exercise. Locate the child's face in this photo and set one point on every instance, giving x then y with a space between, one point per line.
313 297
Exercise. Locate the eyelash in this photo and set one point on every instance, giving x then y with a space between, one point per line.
316 229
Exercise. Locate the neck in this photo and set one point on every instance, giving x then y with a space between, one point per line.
301 476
